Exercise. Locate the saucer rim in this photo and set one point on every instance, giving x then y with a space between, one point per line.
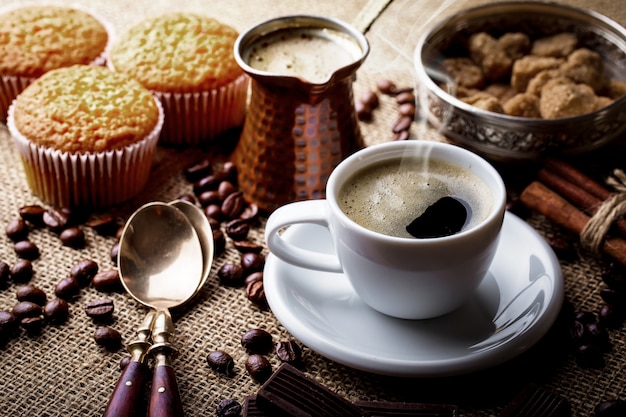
390 366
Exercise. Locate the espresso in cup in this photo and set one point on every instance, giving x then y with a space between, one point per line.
415 197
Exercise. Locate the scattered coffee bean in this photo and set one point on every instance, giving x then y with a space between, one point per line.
56 311
84 271
219 241
17 230
245 246
230 275
108 281
32 214
25 309
8 322
563 248
67 288
370 98
210 182
5 274
108 337
207 198
402 123
255 292
289 352
55 220
259 367
610 316
100 309
221 361
189 198
228 408
237 229
250 213
31 293
257 341
233 205
228 171
32 324
114 252
613 296
213 211
611 408
225 189
407 109
252 262
198 170
214 223
73 237
104 225
363 111
26 249
405 97
255 276
386 86
614 276
22 271
589 356
403 135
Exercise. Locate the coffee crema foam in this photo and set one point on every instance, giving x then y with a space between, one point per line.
387 196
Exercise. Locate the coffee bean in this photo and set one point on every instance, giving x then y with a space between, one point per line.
26 249
402 123
370 98
589 356
108 337
611 408
221 361
245 246
219 241
407 109
55 220
386 86
25 309
255 292
207 198
252 262
228 408
213 211
230 275
32 324
108 281
405 97
228 171
225 189
5 274
612 296
614 276
84 271
237 229
32 214
363 111
198 170
259 367
56 311
73 237
289 352
250 213
610 316
67 288
403 135
17 230
31 293
22 271
189 198
8 322
100 309
104 225
210 182
257 341
233 205
114 252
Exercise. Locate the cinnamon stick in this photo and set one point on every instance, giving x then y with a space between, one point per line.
577 194
543 200
574 176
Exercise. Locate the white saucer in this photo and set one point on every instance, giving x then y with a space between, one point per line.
513 308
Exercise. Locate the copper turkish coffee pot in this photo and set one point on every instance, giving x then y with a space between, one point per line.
296 130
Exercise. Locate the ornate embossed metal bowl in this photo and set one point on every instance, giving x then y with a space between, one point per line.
502 137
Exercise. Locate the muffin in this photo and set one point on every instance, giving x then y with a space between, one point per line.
37 39
86 136
188 62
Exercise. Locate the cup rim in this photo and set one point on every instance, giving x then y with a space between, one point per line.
392 149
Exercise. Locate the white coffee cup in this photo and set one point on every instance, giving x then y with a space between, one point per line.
402 277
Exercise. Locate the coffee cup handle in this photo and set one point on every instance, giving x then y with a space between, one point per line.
311 212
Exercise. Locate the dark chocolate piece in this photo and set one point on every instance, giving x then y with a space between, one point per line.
251 409
535 401
402 409
289 392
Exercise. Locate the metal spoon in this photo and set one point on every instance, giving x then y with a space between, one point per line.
161 262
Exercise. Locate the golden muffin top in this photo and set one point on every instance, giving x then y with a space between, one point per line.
37 39
85 109
178 52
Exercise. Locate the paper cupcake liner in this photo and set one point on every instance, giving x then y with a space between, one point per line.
94 180
197 118
11 85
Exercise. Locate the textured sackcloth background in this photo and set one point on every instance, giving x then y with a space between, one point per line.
62 372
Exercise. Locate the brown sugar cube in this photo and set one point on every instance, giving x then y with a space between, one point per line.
523 105
501 91
524 69
485 102
602 102
586 67
615 88
490 56
535 85
514 44
464 72
556 46
566 100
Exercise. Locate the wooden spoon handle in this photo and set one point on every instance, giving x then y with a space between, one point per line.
164 396
126 399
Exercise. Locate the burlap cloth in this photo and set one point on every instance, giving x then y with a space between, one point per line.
62 372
